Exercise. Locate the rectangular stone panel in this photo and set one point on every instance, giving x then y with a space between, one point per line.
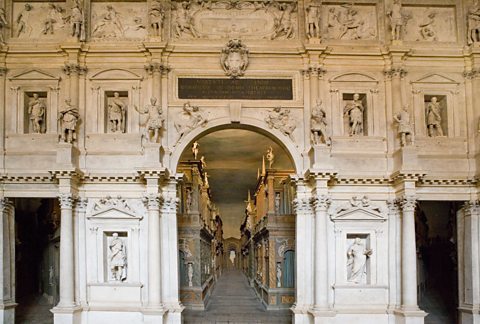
248 89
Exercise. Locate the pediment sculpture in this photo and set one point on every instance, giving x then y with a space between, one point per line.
358 209
234 58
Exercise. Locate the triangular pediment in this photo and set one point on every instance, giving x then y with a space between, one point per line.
115 74
353 77
435 78
35 74
359 214
114 213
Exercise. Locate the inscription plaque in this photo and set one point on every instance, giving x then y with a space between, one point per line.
249 89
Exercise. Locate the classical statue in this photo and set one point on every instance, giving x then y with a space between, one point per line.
52 18
195 149
204 164
354 110
3 24
116 114
356 261
283 24
189 119
183 21
270 157
279 275
313 21
157 15
110 25
277 202
118 258
77 21
68 118
36 111
473 16
397 20
434 118
190 274
188 200
350 23
404 126
279 118
427 27
155 120
22 20
318 125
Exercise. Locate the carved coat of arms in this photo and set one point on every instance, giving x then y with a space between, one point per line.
234 58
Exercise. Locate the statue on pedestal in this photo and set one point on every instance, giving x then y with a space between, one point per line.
313 21
68 118
404 126
155 120
318 125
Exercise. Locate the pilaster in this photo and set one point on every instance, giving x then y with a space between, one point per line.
7 262
3 73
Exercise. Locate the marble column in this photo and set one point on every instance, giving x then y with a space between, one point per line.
321 205
154 248
67 266
169 253
7 262
468 262
81 251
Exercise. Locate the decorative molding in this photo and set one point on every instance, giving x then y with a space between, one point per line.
34 74
358 210
234 58
3 71
5 204
114 208
170 204
471 74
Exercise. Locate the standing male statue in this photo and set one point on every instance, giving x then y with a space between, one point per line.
318 125
116 114
118 258
404 126
68 118
155 120
354 110
36 110
434 118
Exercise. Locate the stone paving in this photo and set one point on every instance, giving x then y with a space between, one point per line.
233 301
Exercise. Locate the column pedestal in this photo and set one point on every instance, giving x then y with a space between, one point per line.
7 313
152 155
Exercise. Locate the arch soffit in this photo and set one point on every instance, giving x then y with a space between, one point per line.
247 124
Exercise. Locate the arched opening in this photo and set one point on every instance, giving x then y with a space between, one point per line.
236 227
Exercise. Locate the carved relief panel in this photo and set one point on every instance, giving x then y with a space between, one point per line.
119 20
430 24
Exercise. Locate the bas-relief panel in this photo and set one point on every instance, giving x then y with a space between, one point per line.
430 24
114 20
349 22
40 20
246 20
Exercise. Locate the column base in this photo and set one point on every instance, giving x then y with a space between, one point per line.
469 315
323 316
410 316
174 313
153 315
7 313
301 314
67 315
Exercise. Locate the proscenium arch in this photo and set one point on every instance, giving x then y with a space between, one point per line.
247 124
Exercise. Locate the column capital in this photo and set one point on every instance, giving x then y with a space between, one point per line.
81 204
66 200
170 204
5 203
302 205
74 68
408 203
395 72
392 205
321 203
471 207
152 201
313 71
157 67
471 74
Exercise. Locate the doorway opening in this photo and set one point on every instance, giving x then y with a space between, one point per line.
37 243
436 237
236 228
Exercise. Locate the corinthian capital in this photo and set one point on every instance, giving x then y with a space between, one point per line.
74 68
321 203
301 205
157 67
152 201
170 204
408 203
5 203
66 201
471 207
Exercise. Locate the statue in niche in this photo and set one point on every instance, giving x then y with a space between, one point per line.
190 274
318 125
110 25
474 23
157 15
404 126
54 16
3 24
354 110
22 20
313 21
277 202
279 274
77 22
183 20
398 20
357 256
118 259
270 157
282 21
68 118
116 114
36 111
427 27
188 199
234 58
155 120
189 119
279 118
434 118
195 149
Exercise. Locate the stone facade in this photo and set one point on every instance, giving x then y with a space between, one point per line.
97 141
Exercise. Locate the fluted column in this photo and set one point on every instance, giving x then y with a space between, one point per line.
7 262
321 205
409 254
154 248
67 266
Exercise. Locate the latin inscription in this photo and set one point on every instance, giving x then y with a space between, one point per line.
248 89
